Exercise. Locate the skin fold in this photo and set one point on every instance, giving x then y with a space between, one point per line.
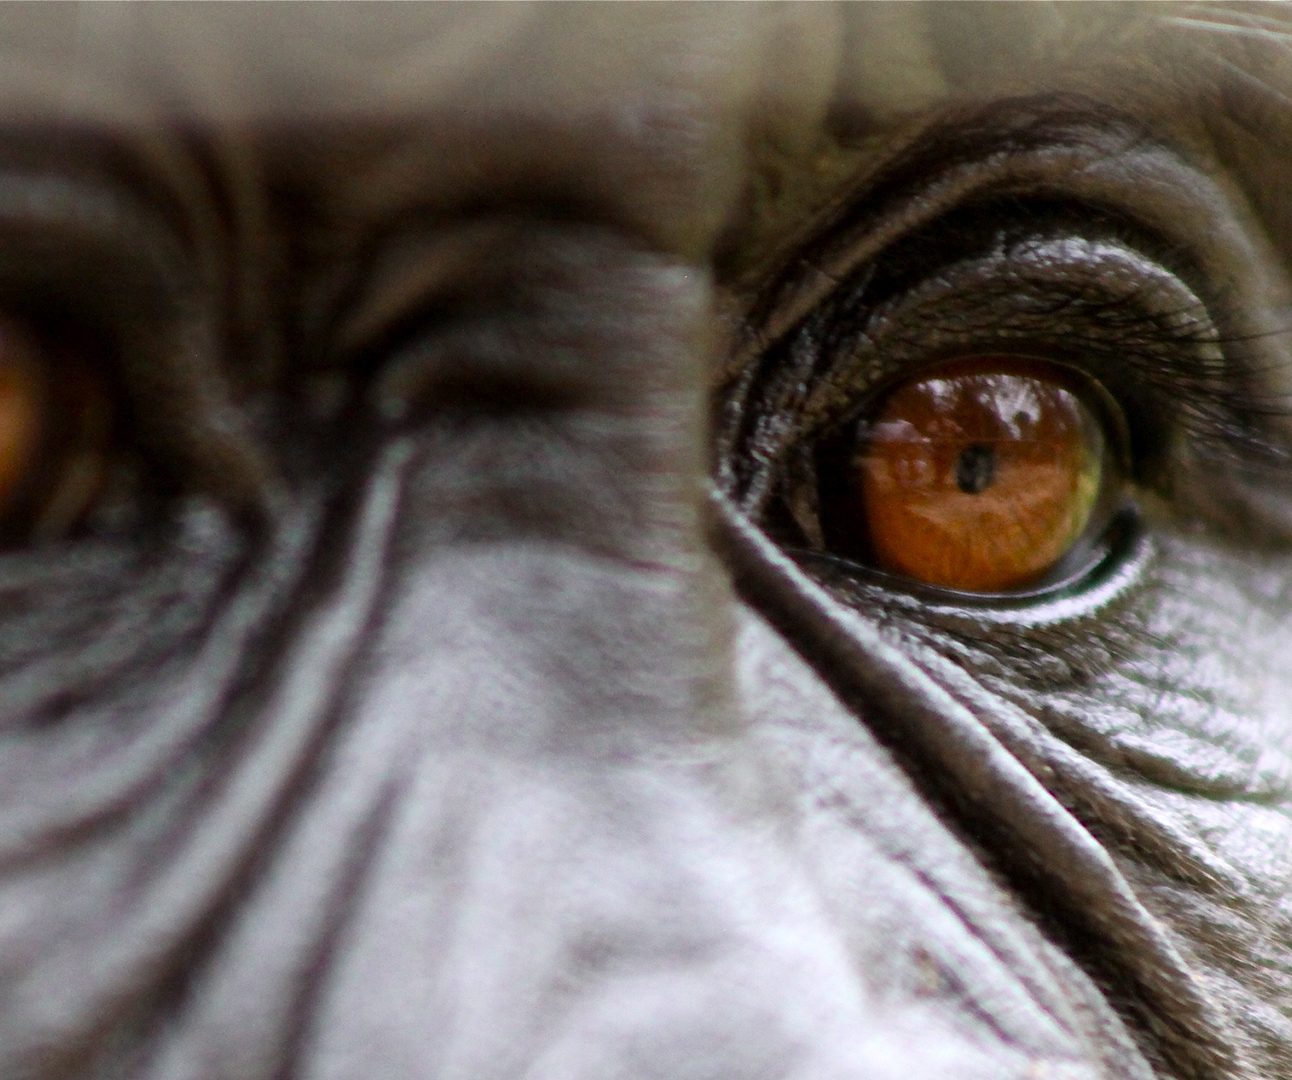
433 695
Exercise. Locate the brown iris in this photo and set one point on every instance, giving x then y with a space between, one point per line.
979 476
55 419
22 395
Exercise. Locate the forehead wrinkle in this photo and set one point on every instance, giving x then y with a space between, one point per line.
693 127
628 109
270 64
628 120
673 120
645 113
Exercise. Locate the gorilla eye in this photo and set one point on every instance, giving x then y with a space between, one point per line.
993 408
54 433
987 475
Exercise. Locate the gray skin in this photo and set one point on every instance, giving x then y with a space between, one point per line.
432 698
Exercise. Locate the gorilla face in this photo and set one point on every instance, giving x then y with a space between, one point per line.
681 542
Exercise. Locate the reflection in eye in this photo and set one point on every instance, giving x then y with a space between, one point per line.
979 476
55 420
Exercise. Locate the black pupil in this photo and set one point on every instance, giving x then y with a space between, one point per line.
975 468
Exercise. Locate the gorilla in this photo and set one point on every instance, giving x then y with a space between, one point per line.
682 542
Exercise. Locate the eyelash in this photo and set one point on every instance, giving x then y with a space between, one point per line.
1206 377
1185 388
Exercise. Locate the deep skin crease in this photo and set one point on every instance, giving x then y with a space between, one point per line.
434 702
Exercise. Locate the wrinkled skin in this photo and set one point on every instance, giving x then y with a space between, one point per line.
434 714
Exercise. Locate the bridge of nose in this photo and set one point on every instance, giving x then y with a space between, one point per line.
567 861
588 843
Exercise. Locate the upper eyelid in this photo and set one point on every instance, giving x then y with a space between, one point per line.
1118 316
843 354
1059 147
1063 149
80 249
90 222
1123 322
121 178
1187 222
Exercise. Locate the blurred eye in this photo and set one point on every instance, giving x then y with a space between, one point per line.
985 475
55 419
21 408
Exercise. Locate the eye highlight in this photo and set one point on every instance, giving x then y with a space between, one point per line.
984 475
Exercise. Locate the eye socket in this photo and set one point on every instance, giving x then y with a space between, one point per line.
55 433
988 474
1168 406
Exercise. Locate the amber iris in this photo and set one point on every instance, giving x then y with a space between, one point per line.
21 410
980 475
